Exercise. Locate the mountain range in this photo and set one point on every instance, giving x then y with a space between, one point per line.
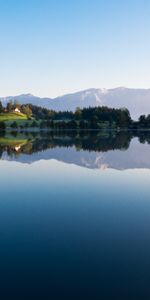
136 100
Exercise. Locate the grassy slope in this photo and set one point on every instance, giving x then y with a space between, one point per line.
4 117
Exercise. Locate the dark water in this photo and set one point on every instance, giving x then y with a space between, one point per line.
75 216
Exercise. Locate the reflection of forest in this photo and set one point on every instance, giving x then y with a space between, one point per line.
15 144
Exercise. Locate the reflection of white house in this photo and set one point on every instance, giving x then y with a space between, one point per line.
17 110
17 148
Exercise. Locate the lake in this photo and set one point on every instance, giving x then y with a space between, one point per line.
75 215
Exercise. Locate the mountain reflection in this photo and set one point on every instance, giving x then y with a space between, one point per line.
118 150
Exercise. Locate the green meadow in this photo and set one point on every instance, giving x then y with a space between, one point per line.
12 116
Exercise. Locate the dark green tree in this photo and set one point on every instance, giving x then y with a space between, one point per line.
1 107
10 106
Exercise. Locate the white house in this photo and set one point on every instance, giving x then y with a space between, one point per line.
17 110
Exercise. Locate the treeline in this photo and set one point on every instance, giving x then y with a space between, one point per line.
86 118
143 122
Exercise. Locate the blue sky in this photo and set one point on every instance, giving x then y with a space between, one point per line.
50 48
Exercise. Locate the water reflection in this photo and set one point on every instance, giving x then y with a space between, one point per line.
118 150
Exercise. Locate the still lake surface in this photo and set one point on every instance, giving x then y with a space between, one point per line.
75 216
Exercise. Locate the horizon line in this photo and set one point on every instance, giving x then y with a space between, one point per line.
73 92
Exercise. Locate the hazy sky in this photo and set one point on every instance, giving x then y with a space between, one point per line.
52 47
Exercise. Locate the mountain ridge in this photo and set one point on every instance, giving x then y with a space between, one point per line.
136 100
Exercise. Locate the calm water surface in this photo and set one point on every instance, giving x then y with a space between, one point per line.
75 216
